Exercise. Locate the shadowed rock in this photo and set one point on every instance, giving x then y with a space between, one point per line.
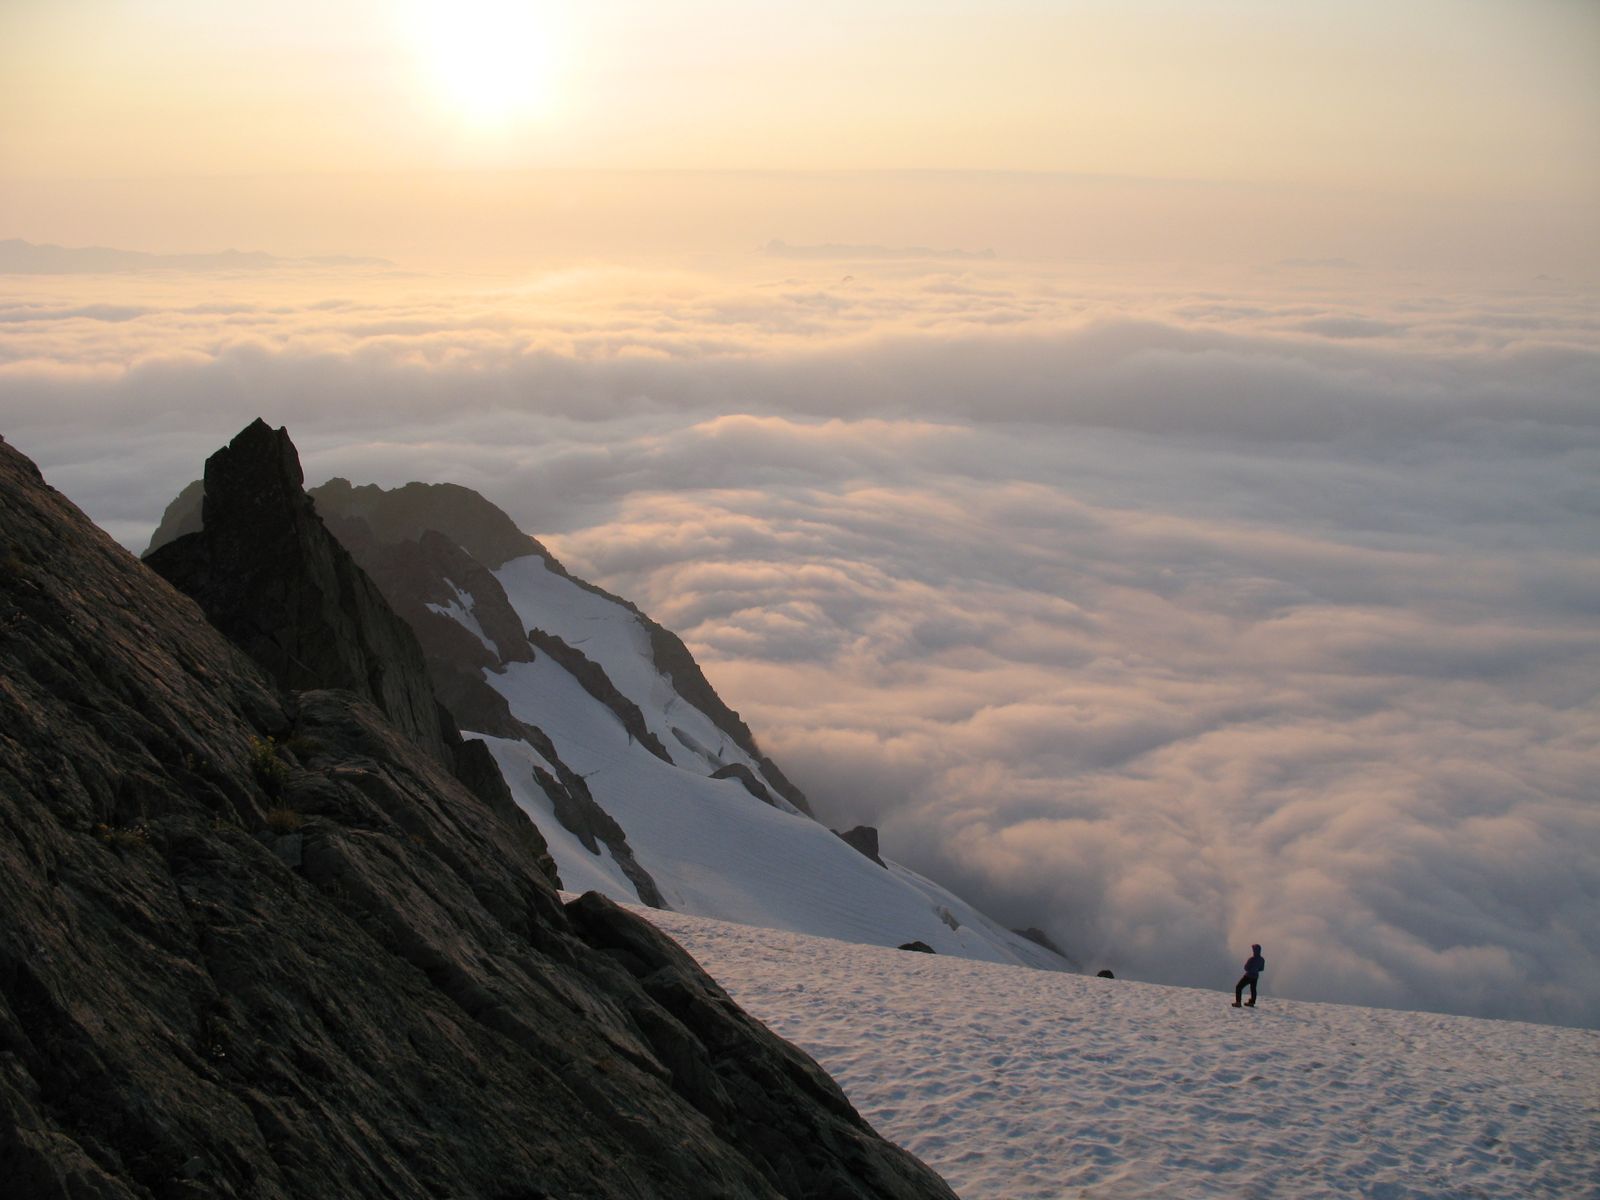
863 838
259 943
737 770
404 513
277 583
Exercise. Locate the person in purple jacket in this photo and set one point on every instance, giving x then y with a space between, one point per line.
1253 966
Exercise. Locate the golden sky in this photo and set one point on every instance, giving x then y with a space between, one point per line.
1430 95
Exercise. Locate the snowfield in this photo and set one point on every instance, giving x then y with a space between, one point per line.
1018 1084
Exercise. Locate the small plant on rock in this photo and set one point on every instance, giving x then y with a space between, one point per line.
270 770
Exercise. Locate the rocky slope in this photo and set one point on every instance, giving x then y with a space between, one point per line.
258 939
646 784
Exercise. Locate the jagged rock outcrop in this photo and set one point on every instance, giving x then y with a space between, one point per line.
258 943
864 839
272 578
262 463
549 726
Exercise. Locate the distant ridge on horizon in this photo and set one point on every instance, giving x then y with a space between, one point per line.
777 248
19 257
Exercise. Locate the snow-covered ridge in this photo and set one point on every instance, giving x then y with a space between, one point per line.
615 638
1027 1085
710 845
643 783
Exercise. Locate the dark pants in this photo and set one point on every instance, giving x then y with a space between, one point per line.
1238 988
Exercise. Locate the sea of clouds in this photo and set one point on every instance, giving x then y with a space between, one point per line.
1166 612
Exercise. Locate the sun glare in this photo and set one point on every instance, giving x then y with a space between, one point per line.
491 62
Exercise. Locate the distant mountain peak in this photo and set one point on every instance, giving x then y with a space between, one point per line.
604 729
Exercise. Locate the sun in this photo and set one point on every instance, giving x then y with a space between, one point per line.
492 63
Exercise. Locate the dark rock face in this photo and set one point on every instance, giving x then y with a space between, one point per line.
753 785
433 570
863 838
919 947
320 964
754 1076
1104 973
401 514
274 580
394 537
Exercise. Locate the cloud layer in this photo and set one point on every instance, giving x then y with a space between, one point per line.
1167 618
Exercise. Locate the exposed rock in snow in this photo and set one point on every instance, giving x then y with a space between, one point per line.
737 770
594 680
864 839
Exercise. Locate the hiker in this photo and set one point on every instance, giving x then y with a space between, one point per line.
1253 966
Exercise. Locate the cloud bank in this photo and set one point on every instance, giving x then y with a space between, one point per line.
1168 618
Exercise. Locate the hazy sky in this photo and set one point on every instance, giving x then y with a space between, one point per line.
1215 561
1433 95
1475 123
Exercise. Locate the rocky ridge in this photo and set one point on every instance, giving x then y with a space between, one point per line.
610 737
262 939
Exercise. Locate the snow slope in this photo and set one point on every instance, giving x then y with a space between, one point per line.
613 636
1032 1085
711 846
